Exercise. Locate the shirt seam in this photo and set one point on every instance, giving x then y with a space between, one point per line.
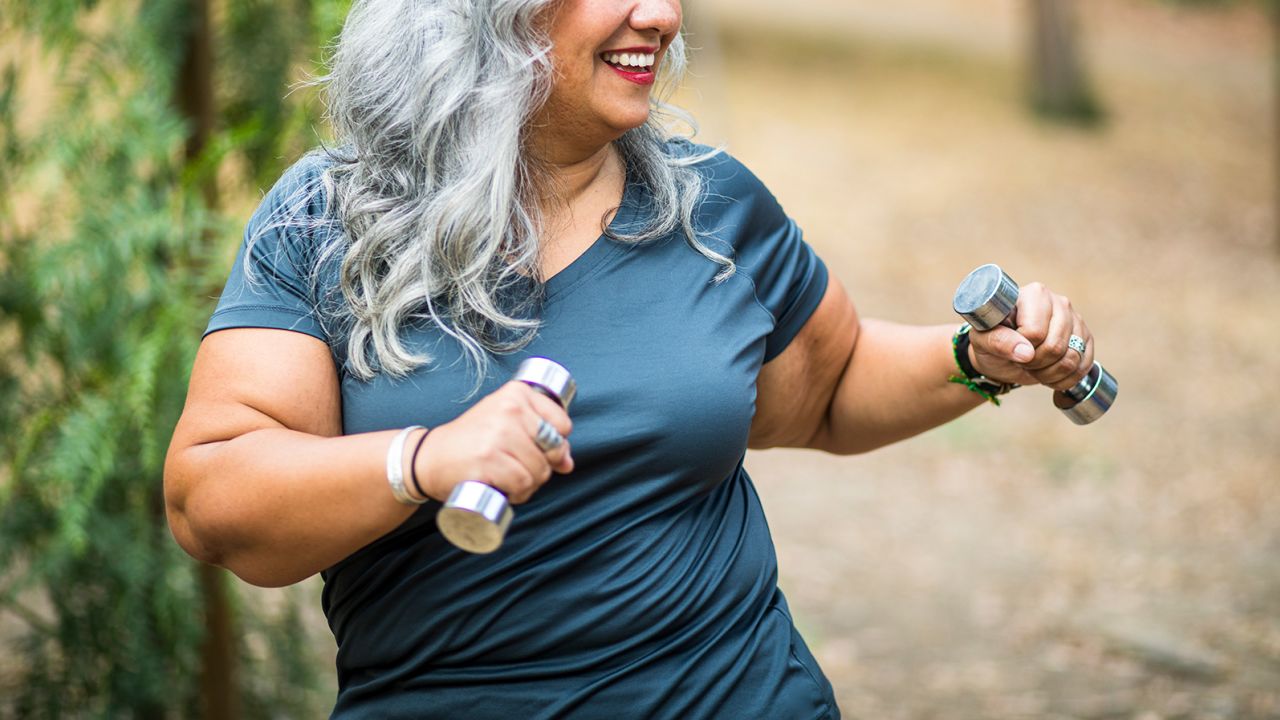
282 308
755 297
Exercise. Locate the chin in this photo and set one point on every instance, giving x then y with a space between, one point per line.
625 122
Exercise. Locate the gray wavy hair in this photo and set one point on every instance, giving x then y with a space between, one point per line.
437 198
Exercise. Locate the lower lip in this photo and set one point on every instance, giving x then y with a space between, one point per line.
639 78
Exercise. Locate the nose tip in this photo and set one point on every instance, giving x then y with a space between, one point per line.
660 15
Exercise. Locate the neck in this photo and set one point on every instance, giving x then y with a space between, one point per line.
571 174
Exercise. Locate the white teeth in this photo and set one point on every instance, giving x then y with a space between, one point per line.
631 59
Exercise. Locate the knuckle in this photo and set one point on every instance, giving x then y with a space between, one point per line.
515 485
490 455
1067 382
1034 333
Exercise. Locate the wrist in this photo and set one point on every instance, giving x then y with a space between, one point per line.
423 469
417 485
397 477
969 375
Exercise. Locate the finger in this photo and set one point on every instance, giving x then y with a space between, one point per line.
1004 343
1052 351
512 478
1085 363
558 456
550 410
1035 310
1074 364
522 445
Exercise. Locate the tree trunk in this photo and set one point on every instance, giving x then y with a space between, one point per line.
194 94
1058 87
1275 115
219 691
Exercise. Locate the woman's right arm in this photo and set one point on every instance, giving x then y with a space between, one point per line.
259 478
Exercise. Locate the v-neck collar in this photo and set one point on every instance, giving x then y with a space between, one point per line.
604 248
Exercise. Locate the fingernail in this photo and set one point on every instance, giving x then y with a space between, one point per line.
1023 352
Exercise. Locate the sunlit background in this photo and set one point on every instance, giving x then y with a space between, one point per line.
1009 565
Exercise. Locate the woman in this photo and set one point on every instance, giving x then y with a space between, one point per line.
501 192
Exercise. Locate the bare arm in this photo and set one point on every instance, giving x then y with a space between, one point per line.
258 478
846 385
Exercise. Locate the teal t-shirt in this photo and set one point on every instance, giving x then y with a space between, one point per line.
643 584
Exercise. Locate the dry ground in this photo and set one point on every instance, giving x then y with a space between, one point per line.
1012 564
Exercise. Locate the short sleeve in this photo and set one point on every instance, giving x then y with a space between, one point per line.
275 287
789 279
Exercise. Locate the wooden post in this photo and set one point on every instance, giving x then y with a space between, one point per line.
1058 88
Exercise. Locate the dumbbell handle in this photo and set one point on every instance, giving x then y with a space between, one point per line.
476 516
988 298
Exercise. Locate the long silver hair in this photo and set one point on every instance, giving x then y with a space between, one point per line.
435 194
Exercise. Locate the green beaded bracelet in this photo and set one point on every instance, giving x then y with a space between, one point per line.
969 376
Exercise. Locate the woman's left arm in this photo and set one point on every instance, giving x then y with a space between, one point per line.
846 385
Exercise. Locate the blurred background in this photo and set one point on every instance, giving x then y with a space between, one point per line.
1008 565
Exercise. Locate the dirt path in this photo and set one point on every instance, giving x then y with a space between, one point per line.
1012 565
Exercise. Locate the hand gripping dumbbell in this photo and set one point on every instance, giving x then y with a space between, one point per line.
476 516
987 298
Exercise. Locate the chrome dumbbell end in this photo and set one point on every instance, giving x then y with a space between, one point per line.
1090 399
988 297
476 516
549 378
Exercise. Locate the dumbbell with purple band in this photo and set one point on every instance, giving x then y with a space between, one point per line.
477 515
988 297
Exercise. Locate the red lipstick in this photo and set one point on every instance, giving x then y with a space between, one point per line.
639 77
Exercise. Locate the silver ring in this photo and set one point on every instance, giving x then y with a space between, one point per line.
1075 342
547 437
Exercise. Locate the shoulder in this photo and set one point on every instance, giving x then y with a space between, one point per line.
723 173
294 223
735 207
299 194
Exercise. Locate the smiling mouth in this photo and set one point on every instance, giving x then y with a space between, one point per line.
630 62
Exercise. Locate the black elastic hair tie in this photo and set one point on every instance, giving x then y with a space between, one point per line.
413 464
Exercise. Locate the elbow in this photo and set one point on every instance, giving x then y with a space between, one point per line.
190 530
198 536
187 532
207 526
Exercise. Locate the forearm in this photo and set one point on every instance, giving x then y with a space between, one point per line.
276 506
894 385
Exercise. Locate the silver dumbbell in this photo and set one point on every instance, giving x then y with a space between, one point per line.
988 297
476 516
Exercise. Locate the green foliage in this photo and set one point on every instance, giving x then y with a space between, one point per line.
264 45
104 290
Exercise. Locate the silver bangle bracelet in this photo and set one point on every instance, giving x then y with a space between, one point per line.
395 467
